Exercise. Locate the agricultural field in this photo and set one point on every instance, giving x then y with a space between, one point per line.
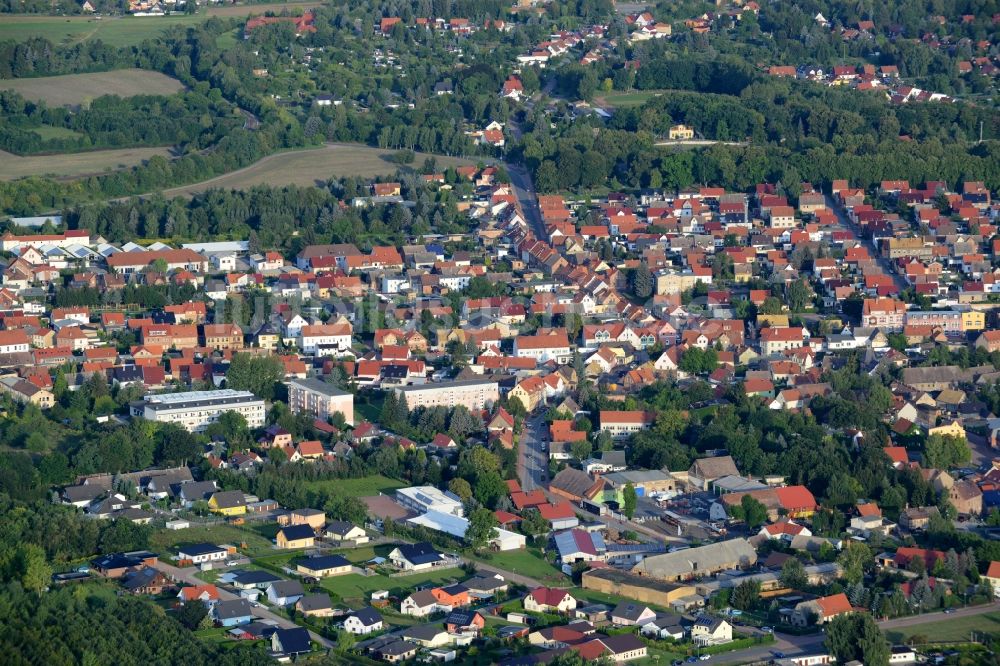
74 89
125 30
363 487
115 31
311 167
69 165
48 132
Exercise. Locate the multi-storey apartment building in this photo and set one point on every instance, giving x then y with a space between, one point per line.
474 394
320 398
196 410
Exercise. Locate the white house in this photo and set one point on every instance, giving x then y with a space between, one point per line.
546 599
202 552
364 621
325 338
711 631
285 592
421 604
415 557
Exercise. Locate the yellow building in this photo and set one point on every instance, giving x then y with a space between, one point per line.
681 133
973 320
228 503
296 536
777 320
953 429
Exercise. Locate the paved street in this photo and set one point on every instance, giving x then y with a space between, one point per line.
532 460
846 223
187 575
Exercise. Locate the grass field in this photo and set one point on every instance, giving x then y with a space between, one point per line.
164 541
369 485
48 132
528 562
957 629
355 589
628 100
73 89
310 167
123 30
74 164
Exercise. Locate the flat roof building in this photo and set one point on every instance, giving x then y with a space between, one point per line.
196 410
428 498
320 398
474 394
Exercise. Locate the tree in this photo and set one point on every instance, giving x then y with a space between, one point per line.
532 522
175 445
746 596
856 636
482 528
580 449
946 451
32 568
257 374
754 513
191 614
856 559
793 574
642 281
461 488
629 500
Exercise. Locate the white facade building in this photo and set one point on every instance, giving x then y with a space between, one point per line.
196 410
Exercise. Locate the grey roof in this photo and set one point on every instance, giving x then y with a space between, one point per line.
293 641
229 498
318 386
287 588
196 490
314 602
572 481
696 561
629 610
339 527
636 476
485 583
83 492
423 598
423 632
714 468
322 562
368 616
254 577
398 648
226 610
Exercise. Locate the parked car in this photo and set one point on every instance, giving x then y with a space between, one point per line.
705 657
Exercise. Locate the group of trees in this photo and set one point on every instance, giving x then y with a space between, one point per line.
191 119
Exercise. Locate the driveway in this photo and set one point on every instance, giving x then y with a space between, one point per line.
187 575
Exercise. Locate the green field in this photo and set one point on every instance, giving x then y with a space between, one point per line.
71 165
73 89
628 100
165 541
123 30
115 31
363 487
311 167
957 629
528 562
355 589
48 132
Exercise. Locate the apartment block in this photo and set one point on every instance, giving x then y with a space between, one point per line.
196 410
320 398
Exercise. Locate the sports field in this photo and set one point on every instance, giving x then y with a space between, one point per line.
957 629
74 164
72 89
312 167
124 30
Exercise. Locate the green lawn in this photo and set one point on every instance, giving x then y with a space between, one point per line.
363 487
631 100
166 541
124 31
527 562
355 589
956 629
48 132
